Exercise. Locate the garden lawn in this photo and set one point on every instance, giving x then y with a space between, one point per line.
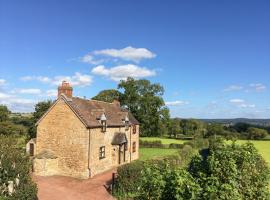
150 153
163 140
146 153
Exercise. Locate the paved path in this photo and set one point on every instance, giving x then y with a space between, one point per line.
66 188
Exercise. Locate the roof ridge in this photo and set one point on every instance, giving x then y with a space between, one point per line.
100 101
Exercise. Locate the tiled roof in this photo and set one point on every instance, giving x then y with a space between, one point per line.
90 112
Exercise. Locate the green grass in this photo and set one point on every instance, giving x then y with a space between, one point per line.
146 153
150 153
163 140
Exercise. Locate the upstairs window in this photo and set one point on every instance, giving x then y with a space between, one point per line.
104 126
134 130
103 121
126 123
101 152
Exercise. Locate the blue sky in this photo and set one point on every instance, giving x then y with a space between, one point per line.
212 57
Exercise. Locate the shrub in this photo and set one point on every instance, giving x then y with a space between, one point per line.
8 128
180 185
231 172
128 179
152 144
176 146
14 167
189 144
201 143
152 183
256 133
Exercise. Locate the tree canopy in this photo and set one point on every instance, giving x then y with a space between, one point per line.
4 113
145 102
108 95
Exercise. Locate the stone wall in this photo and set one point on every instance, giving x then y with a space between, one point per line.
111 159
62 133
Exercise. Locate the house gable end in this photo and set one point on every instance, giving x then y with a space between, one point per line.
61 98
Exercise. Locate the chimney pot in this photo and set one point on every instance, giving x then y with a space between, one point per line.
66 89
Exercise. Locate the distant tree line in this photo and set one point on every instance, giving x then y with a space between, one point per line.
145 101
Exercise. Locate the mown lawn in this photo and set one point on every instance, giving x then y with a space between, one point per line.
149 153
163 140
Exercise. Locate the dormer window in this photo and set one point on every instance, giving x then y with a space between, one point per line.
103 121
126 123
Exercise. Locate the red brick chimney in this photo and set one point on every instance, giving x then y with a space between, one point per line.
65 89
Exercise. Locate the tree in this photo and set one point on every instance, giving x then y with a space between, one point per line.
256 133
144 100
40 109
175 128
108 95
215 129
4 113
8 128
14 170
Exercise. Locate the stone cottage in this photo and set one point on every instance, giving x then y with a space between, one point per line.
81 138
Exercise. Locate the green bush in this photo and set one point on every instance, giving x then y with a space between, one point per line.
201 143
128 179
15 166
189 143
231 172
152 144
180 185
8 128
176 146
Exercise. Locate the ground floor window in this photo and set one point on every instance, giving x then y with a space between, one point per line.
134 147
101 152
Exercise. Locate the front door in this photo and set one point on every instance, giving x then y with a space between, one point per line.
122 153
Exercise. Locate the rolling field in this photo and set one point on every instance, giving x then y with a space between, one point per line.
147 153
163 140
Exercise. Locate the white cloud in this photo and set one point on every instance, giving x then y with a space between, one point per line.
4 96
77 79
241 103
121 72
237 101
27 91
247 106
51 93
258 87
129 53
233 88
42 79
17 104
88 58
176 103
2 82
